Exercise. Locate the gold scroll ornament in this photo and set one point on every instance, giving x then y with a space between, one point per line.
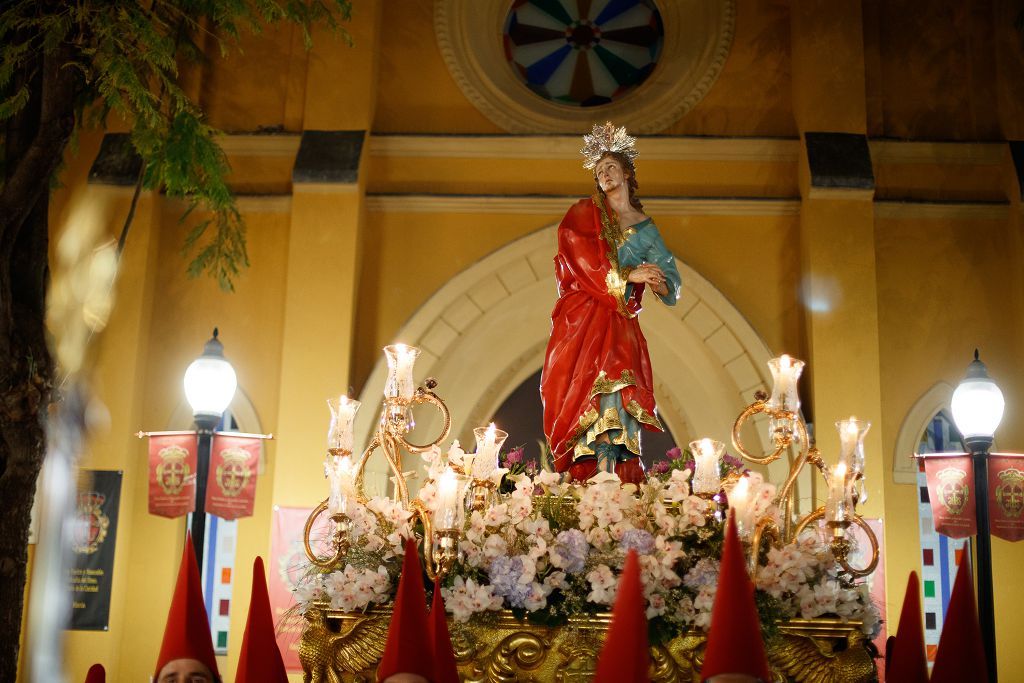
340 647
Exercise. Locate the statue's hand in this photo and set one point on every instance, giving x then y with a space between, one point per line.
649 274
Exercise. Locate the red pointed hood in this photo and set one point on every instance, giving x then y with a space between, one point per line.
260 660
187 634
909 662
625 657
97 674
961 653
445 669
734 642
408 648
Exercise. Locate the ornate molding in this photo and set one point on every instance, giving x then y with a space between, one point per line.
984 211
558 147
698 37
510 650
555 205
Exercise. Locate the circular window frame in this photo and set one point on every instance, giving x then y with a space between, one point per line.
697 41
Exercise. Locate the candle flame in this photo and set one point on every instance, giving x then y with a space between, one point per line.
490 431
741 489
785 362
706 446
840 471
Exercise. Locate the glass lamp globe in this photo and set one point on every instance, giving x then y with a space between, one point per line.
210 381
977 403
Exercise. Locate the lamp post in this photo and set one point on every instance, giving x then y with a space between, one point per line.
210 384
977 409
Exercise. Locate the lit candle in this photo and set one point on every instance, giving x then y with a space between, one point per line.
838 495
401 359
343 414
851 443
706 455
488 443
740 503
785 375
339 474
449 503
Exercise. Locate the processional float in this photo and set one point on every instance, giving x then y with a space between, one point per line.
508 644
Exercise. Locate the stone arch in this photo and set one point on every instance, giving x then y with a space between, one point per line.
937 398
485 331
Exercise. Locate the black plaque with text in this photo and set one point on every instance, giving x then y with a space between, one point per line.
94 538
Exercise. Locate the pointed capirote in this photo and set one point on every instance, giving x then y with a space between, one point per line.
445 668
909 663
734 643
408 648
961 653
187 634
625 657
260 659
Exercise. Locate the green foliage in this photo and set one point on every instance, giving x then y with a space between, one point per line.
130 54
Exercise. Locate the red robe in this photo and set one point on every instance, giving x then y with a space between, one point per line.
596 345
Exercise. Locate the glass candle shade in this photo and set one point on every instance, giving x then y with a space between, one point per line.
338 469
401 360
489 441
837 506
707 453
851 443
339 433
742 504
451 490
785 397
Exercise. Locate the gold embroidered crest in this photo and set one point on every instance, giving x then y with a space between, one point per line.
173 470
233 472
1010 492
952 489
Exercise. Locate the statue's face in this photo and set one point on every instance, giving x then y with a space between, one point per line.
185 671
610 174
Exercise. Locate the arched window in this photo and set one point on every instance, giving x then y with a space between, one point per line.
940 554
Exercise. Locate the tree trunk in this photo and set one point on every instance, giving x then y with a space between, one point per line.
34 143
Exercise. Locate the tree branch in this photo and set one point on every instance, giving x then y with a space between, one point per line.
44 154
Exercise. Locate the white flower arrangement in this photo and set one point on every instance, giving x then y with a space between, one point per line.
551 550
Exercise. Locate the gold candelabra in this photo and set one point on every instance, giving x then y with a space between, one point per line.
787 429
396 421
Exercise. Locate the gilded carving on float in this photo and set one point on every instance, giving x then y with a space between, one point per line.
510 650
675 74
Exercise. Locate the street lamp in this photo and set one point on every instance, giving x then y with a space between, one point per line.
977 409
210 384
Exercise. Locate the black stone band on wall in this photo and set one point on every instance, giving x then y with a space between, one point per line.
1017 154
117 163
839 161
329 156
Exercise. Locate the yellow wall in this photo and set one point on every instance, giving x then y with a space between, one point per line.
334 277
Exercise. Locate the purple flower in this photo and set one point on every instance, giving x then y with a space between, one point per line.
514 456
572 550
674 453
531 468
660 467
639 540
733 462
504 574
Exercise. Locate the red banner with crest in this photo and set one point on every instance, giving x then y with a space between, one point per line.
231 482
285 569
951 493
172 474
1006 496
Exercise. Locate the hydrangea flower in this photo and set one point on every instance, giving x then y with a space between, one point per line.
570 551
639 540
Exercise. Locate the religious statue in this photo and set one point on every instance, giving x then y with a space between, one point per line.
596 385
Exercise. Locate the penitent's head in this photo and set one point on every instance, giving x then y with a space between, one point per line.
185 671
